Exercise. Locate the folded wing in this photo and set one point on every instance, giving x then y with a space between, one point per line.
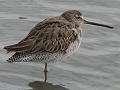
52 36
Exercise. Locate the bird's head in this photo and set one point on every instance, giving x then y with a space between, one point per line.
75 17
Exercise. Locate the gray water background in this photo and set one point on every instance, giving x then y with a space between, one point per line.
95 66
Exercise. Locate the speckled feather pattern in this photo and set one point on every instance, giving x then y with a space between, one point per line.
50 40
29 57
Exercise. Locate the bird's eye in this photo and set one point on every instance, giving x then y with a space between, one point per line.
78 17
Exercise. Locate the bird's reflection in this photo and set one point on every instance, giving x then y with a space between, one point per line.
39 85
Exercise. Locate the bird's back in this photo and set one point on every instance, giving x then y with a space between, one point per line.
51 39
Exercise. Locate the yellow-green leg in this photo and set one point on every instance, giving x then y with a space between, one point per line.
45 72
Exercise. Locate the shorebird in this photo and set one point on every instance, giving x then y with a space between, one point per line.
51 39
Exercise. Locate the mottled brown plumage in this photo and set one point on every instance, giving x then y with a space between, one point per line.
51 35
58 35
51 39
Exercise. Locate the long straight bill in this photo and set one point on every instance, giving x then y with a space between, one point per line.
97 24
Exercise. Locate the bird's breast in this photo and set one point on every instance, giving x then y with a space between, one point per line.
75 45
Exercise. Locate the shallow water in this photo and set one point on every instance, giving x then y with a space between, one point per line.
95 66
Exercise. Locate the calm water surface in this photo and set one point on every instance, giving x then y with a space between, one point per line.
95 66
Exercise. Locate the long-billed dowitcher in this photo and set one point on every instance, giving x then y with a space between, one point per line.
51 39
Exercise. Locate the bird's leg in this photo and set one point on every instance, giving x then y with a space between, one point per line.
45 72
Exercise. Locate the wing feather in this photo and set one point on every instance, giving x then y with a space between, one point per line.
52 36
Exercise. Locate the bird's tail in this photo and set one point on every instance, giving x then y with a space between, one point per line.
25 57
15 58
30 57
